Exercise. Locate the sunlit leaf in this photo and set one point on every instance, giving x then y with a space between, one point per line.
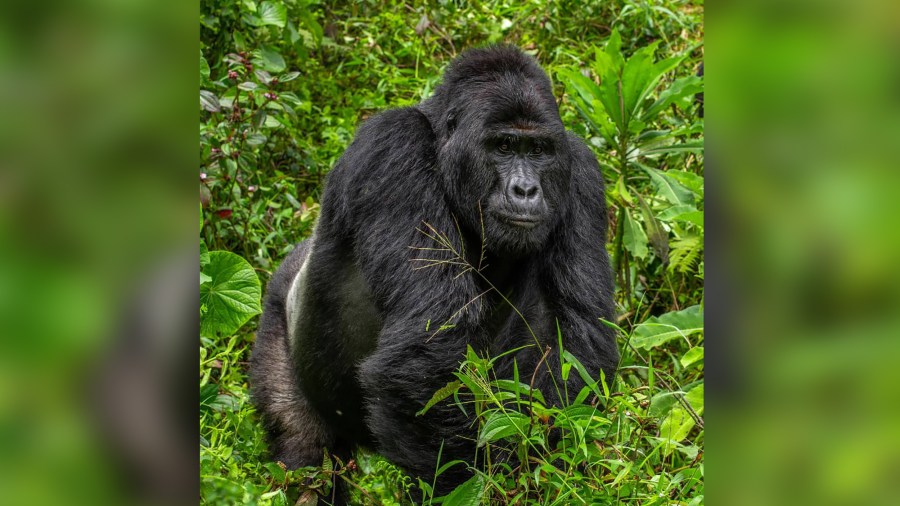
273 13
667 187
232 296
501 424
208 101
448 390
659 329
467 494
692 356
633 237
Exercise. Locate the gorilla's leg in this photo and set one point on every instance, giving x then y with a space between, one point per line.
297 434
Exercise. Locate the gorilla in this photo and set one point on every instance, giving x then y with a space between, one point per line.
473 218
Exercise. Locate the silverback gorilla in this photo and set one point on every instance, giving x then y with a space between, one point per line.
434 218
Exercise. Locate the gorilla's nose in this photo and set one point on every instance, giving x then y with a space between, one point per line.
523 190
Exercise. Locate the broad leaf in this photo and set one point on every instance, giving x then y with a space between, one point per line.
269 59
204 68
684 147
659 329
689 180
232 296
467 494
661 403
676 426
667 187
692 356
633 237
695 398
208 101
501 424
273 13
685 86
658 237
637 80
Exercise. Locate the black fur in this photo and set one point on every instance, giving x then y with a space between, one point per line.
384 312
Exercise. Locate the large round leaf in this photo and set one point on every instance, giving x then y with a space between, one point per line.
231 297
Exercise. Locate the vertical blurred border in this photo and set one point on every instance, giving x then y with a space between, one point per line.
98 252
803 265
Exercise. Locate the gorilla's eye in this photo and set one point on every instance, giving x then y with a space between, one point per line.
504 146
537 150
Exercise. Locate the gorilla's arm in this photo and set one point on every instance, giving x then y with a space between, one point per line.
388 188
577 272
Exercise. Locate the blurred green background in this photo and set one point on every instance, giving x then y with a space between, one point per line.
804 242
98 186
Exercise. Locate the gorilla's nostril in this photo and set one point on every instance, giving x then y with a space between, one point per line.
525 192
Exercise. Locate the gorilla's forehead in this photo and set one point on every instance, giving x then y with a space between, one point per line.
513 101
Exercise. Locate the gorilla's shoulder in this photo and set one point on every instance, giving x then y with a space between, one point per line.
392 159
585 161
394 140
405 120
406 130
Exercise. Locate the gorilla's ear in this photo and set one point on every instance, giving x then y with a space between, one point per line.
451 121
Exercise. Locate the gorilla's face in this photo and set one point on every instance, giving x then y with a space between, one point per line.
506 164
523 201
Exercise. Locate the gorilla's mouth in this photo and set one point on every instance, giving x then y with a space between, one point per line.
526 221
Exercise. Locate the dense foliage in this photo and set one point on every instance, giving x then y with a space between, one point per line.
284 84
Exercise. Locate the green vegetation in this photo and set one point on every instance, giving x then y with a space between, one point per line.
285 83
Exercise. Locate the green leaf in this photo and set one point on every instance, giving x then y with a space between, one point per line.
661 403
589 380
314 27
501 424
208 101
448 390
685 86
676 426
467 494
622 191
659 329
686 213
231 297
270 59
277 472
256 139
583 88
689 180
614 49
693 355
523 390
204 68
657 236
684 147
208 393
273 13
637 80
695 398
667 187
204 256
634 238
695 217
685 252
